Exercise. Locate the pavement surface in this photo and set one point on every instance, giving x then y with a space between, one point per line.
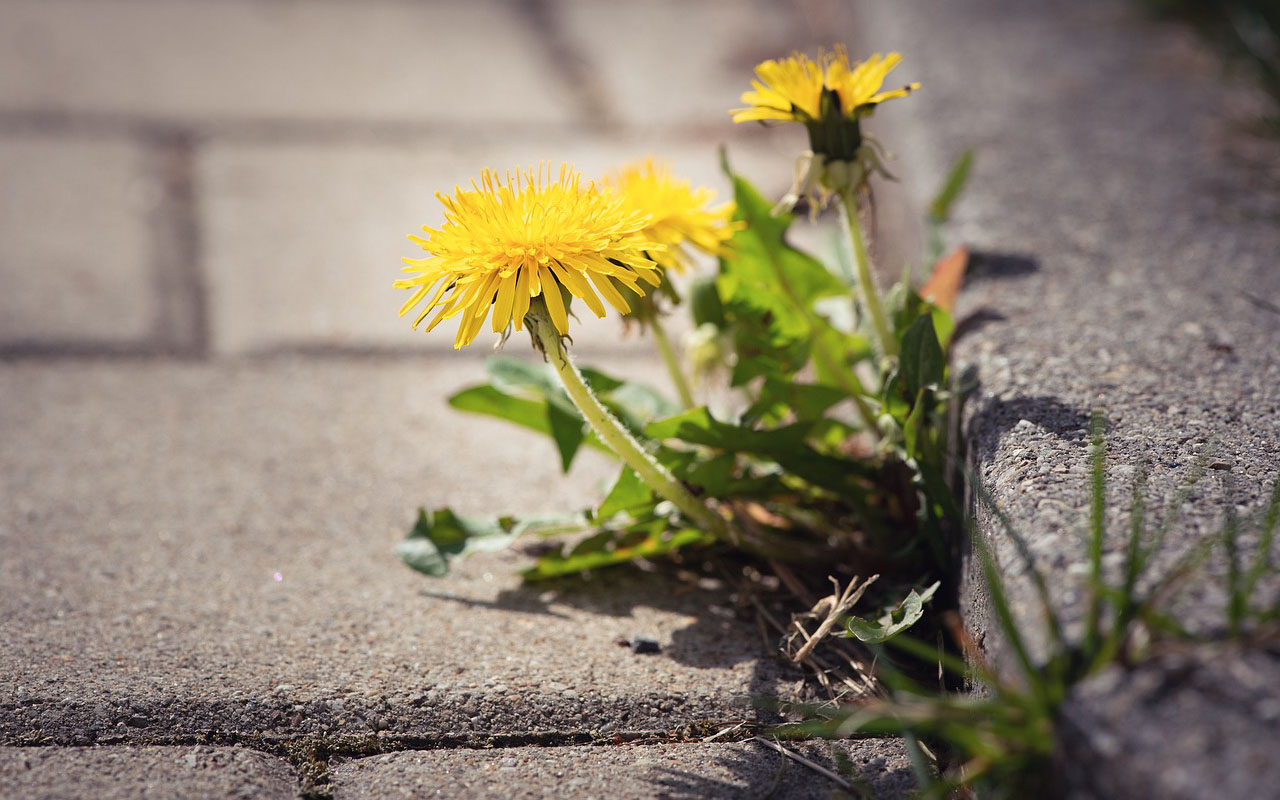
744 769
1124 213
210 547
216 429
156 773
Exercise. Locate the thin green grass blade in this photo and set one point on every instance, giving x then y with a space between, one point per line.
1051 620
1004 615
1262 558
1097 531
920 766
1236 599
1124 598
1174 510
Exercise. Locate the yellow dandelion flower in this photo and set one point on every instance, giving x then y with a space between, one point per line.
505 242
800 89
680 215
859 87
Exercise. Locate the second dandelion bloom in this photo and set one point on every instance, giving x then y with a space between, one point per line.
681 216
507 240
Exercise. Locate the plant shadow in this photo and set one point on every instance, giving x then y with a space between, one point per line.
721 634
994 417
750 769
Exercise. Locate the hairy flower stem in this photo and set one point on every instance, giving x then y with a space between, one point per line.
672 361
866 282
619 439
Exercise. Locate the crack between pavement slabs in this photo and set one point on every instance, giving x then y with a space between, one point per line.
312 755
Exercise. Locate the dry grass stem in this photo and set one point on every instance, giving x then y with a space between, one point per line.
799 759
835 606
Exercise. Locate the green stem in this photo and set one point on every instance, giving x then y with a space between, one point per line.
672 361
611 432
866 282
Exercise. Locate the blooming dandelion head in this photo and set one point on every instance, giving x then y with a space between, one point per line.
800 89
507 240
680 215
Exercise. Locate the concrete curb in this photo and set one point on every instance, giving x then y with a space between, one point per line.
1126 253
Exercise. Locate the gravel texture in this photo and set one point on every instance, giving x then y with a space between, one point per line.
156 773
208 549
746 769
1142 719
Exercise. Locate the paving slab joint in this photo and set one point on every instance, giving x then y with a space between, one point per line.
571 64
311 756
182 320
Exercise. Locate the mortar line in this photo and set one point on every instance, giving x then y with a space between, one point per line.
71 350
310 755
44 122
570 64
181 324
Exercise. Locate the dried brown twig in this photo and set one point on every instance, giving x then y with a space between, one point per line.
835 606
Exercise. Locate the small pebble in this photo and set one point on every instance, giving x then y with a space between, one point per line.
643 644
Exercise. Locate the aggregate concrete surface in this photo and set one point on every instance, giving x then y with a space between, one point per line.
156 773
1127 716
743 769
1127 256
197 548
1124 224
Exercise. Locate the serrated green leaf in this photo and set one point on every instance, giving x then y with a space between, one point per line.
895 620
921 362
786 446
704 302
487 400
569 431
517 376
530 395
629 495
765 234
441 535
607 549
767 289
536 415
779 399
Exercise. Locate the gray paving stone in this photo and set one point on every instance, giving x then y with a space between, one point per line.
208 548
675 62
302 243
75 258
745 769
123 773
376 61
1125 226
